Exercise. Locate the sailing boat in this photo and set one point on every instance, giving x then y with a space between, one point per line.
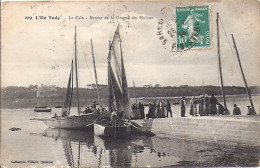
220 70
66 120
118 97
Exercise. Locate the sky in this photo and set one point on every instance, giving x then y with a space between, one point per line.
40 51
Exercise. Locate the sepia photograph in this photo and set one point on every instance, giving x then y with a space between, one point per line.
130 84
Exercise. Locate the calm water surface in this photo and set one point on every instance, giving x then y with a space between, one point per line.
46 147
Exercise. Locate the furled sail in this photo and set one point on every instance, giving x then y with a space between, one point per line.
119 96
68 98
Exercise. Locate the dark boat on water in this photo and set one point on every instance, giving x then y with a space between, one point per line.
108 130
42 109
58 106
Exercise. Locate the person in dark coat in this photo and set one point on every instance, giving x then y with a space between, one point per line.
158 111
236 110
182 103
141 110
206 105
168 108
150 111
154 110
213 105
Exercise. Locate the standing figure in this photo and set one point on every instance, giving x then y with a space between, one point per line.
206 105
213 105
201 103
149 111
250 111
236 110
168 108
154 110
141 110
190 23
163 109
182 103
158 110
193 103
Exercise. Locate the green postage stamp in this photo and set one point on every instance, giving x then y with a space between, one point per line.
193 27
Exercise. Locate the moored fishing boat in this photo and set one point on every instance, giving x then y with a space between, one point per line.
67 121
118 97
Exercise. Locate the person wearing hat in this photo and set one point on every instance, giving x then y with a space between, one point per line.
250 111
182 103
236 110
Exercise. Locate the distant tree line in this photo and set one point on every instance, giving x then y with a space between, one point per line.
15 92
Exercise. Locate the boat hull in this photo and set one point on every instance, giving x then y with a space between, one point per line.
110 131
71 122
42 110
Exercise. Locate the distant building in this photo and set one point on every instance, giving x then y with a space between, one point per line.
148 86
47 91
93 86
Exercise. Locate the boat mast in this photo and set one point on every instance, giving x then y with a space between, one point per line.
108 78
135 92
241 69
92 51
71 94
219 62
79 155
76 68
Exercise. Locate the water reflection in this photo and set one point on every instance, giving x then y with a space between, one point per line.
120 152
81 137
83 149
106 152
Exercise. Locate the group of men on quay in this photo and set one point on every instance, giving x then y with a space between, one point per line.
205 106
202 106
156 110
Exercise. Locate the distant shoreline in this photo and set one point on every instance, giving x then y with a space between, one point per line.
188 97
29 97
84 102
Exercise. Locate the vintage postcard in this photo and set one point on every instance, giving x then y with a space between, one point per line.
130 84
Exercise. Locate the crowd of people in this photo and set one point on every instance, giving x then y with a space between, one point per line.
160 109
205 105
202 106
93 109
138 110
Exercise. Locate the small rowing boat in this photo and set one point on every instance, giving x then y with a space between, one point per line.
109 130
42 109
